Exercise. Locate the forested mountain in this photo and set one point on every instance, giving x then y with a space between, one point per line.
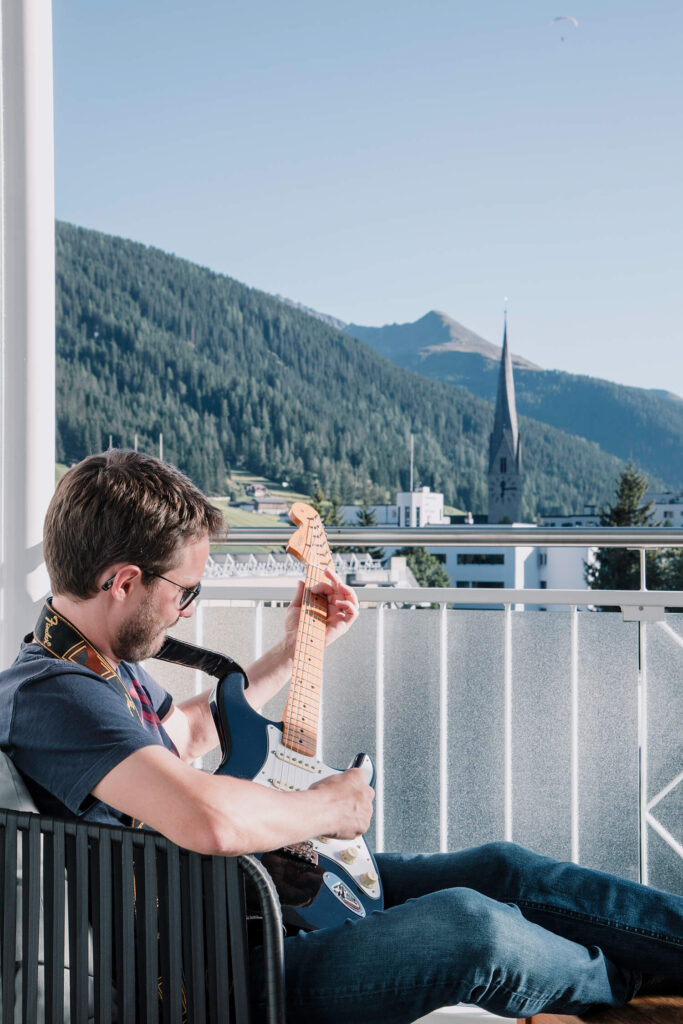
147 342
629 422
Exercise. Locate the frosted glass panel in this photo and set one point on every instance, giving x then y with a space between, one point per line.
541 731
540 767
608 743
411 736
349 702
475 727
664 665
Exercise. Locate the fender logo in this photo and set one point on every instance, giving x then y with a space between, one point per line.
49 623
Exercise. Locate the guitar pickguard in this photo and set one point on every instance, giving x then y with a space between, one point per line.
285 770
321 881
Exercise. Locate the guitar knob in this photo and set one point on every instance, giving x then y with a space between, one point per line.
349 854
324 839
369 879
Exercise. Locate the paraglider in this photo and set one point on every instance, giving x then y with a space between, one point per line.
566 17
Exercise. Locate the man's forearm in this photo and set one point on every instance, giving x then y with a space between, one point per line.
225 815
269 673
190 724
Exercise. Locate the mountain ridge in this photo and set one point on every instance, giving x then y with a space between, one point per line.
148 343
627 421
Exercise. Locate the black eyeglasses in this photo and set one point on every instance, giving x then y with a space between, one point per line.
187 596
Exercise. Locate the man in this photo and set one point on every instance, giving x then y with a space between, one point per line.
126 541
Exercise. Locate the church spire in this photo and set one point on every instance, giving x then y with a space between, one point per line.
505 420
505 447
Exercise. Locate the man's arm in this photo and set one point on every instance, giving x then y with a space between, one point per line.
217 814
190 724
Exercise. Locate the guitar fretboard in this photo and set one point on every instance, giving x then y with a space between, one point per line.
302 710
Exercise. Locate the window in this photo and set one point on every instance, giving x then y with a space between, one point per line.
463 583
417 517
542 558
481 559
485 584
503 465
544 584
406 516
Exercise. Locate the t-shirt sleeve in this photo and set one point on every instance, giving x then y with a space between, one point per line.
69 730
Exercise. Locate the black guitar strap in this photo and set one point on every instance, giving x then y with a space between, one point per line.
179 652
61 638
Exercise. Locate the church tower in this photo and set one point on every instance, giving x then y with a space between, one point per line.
506 478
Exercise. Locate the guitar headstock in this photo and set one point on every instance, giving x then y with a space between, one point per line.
308 544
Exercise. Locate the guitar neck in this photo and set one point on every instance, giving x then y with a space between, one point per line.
301 716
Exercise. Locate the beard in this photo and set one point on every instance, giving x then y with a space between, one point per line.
142 635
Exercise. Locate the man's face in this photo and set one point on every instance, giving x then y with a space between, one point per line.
144 631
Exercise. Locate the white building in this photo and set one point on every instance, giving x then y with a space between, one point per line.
668 508
421 507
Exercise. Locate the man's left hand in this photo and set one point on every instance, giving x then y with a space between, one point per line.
342 607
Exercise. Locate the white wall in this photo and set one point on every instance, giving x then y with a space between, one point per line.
27 312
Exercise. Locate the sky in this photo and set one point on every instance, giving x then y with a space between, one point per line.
375 160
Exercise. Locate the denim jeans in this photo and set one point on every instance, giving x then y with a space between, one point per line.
497 926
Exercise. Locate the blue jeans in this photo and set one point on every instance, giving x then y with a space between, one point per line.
497 926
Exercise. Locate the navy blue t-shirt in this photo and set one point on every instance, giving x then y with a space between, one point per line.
65 727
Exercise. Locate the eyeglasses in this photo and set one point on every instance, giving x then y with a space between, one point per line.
187 596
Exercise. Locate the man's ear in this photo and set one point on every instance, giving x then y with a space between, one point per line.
123 580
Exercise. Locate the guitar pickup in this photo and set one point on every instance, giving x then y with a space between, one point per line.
285 786
299 762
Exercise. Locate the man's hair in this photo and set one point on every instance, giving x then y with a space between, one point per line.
120 506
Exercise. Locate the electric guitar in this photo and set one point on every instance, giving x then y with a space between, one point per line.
322 881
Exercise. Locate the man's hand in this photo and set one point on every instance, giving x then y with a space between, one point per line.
342 608
351 803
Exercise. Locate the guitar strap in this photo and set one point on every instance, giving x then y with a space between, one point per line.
59 637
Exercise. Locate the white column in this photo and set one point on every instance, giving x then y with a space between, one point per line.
27 311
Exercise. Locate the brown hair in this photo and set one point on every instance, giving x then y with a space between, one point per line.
120 506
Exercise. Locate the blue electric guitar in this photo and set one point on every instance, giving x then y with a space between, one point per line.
322 881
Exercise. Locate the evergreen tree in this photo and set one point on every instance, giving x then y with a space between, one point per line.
333 514
319 502
619 568
426 568
366 517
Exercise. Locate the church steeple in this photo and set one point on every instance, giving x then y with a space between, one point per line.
505 447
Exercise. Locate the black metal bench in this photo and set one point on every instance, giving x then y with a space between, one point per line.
113 924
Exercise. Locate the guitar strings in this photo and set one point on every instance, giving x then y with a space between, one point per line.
304 706
305 703
308 636
303 642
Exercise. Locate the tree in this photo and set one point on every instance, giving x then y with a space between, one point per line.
619 568
426 568
366 517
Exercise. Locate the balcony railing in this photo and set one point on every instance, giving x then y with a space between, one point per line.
560 731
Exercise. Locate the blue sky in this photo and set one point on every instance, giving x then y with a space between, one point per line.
375 160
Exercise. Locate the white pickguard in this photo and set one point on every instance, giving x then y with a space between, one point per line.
288 771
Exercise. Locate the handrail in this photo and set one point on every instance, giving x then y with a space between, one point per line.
469 536
224 590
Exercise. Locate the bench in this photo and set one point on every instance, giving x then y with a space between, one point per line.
642 1010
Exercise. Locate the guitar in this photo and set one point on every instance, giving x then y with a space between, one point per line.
322 881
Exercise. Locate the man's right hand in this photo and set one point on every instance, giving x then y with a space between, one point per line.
350 799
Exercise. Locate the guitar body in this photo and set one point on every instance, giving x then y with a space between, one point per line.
321 882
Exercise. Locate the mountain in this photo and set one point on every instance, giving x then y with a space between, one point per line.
434 335
645 425
233 377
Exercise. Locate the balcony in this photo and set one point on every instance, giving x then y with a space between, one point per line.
557 729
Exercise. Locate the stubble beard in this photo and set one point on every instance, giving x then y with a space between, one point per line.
142 635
